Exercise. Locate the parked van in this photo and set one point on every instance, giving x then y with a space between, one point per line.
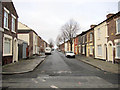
47 50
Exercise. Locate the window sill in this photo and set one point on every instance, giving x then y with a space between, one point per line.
13 31
106 36
1 29
117 34
6 28
117 57
91 53
90 40
7 54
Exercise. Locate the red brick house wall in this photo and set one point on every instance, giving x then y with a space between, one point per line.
9 6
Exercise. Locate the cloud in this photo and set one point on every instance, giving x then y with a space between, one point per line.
47 16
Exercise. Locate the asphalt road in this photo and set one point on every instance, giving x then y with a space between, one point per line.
59 72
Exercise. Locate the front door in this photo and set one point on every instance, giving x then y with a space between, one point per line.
110 52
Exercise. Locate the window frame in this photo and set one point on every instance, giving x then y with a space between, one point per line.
118 57
91 49
117 26
91 36
83 49
13 18
98 32
8 37
7 18
99 47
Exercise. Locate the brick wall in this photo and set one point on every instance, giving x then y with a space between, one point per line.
9 6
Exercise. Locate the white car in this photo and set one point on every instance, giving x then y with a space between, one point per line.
48 50
70 54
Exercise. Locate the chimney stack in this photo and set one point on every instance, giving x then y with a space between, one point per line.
92 26
109 15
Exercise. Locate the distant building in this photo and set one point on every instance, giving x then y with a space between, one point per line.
30 36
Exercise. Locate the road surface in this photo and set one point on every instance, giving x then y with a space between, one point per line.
60 73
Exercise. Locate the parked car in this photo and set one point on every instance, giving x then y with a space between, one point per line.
48 51
70 54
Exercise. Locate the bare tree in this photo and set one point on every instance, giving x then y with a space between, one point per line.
69 31
58 40
51 43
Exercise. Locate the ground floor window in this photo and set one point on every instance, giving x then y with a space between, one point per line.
7 46
99 50
91 50
118 50
79 49
83 49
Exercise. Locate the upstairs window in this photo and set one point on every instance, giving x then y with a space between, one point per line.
91 36
13 23
118 26
91 50
83 39
6 18
99 34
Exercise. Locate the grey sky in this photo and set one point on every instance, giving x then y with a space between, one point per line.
47 16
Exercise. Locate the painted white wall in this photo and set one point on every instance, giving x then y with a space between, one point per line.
15 50
22 26
102 40
24 37
35 37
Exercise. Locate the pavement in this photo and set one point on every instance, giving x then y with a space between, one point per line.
23 66
100 64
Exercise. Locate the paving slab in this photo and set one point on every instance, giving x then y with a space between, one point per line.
22 66
101 64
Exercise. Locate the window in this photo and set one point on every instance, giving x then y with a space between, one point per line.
91 50
7 46
13 24
83 49
118 50
91 36
83 39
99 50
79 49
118 26
99 33
6 19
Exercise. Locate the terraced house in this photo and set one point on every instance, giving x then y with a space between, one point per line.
90 42
83 43
31 37
8 20
113 43
100 37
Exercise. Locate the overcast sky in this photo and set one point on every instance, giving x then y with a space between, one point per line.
47 16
